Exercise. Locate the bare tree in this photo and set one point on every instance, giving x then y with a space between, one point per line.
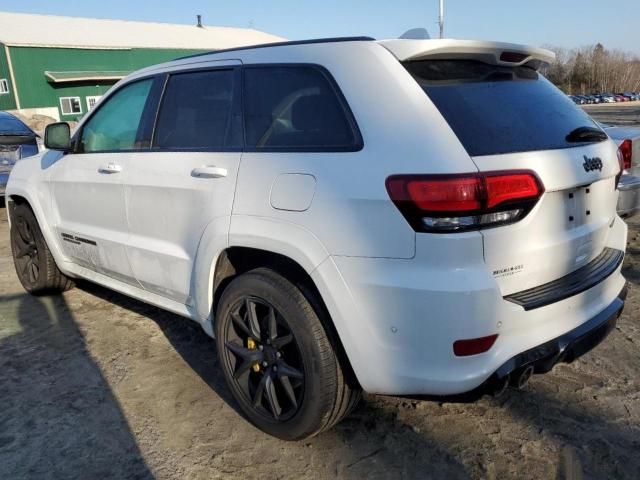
594 69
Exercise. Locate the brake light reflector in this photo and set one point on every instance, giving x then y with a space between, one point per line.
626 150
512 57
445 203
474 346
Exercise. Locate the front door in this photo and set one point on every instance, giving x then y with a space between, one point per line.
185 183
87 190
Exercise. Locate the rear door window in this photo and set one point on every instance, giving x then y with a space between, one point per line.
198 112
295 107
495 110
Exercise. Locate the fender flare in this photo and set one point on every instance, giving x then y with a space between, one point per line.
262 233
21 189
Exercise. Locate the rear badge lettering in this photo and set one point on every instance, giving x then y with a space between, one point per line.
590 164
508 271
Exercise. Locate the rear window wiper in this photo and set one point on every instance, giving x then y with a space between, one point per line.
586 134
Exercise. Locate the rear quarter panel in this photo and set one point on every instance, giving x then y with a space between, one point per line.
402 132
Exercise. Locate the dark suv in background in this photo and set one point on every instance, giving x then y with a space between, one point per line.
16 141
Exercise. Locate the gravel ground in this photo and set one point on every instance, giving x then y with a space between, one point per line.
96 385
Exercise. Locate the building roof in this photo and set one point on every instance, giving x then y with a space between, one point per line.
22 29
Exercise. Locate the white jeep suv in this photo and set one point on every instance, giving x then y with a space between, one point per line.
406 217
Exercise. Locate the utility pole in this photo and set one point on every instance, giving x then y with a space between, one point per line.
441 19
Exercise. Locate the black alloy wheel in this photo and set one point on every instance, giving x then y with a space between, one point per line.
26 256
33 261
280 358
264 357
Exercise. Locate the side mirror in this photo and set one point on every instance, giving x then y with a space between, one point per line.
57 136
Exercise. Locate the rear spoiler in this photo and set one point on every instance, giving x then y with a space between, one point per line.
493 53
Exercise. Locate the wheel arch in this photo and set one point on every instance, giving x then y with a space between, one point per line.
236 260
22 197
12 201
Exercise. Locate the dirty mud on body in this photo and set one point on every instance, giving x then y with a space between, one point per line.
96 385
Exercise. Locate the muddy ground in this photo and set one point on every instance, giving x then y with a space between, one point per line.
95 385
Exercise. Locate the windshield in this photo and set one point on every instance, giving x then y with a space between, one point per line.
495 110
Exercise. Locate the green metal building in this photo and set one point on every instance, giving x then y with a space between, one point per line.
61 66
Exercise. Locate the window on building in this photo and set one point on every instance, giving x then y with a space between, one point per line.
4 86
92 100
70 105
295 108
116 123
197 112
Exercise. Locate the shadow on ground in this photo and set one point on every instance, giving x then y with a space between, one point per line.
58 415
373 440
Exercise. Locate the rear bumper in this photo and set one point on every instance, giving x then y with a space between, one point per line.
576 282
398 319
629 199
569 346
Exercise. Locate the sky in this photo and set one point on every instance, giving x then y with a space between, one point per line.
565 23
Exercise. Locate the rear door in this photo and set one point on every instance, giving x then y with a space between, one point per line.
512 118
186 182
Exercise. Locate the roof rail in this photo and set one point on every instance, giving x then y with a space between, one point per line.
282 44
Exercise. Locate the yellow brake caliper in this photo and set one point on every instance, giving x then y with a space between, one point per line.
251 345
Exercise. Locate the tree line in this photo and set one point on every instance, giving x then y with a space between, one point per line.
594 69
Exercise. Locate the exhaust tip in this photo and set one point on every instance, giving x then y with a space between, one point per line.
521 378
501 387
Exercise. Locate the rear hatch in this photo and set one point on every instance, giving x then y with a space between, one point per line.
509 117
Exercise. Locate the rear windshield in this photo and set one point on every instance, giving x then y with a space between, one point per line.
496 110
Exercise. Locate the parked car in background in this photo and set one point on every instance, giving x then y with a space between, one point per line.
340 215
628 141
17 141
575 99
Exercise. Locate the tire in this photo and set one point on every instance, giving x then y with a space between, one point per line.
290 384
34 264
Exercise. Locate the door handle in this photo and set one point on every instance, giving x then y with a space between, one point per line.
110 168
210 171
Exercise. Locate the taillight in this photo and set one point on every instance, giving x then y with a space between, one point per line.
451 203
625 149
620 166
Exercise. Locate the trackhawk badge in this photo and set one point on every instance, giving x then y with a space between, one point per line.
592 164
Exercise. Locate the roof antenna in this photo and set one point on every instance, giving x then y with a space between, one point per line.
199 25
